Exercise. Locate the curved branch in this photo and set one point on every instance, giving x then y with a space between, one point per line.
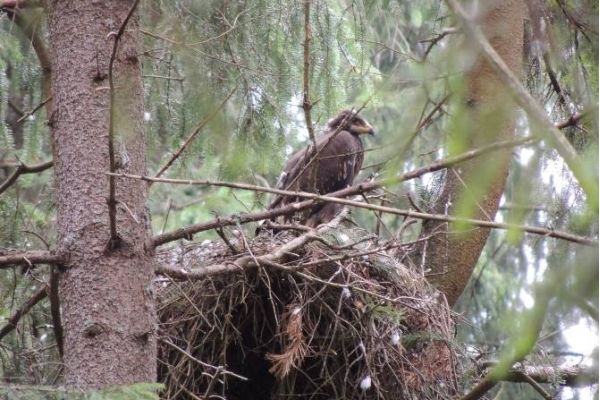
21 170
11 324
244 262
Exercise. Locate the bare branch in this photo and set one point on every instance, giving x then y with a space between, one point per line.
11 324
434 40
112 203
21 170
34 110
335 197
573 120
525 100
306 103
16 4
573 376
30 258
244 262
168 78
195 132
55 310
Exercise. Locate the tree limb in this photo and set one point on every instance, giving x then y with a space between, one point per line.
306 103
334 197
244 262
12 8
360 188
195 132
30 258
11 324
55 310
572 376
21 170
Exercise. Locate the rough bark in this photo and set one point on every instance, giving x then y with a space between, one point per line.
107 311
450 256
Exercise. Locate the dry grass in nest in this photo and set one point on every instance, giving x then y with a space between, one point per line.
356 326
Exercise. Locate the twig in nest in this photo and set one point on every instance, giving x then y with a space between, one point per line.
221 234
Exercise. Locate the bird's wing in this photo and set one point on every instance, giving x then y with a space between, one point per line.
288 178
338 162
340 159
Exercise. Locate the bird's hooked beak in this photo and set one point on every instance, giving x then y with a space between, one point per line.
369 129
364 128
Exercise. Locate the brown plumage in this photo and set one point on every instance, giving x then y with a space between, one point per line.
340 156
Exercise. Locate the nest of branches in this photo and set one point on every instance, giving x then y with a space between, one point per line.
321 314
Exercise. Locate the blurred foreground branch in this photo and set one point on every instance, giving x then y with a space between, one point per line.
538 117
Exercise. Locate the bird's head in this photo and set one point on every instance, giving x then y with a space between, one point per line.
349 120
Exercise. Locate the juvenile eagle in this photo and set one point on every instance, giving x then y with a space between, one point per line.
340 157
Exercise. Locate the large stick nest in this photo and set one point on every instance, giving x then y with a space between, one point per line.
336 318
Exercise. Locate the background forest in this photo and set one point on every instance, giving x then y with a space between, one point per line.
234 72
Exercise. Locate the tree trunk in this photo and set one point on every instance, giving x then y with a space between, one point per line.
477 185
107 311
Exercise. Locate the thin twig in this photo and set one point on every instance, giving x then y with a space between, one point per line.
202 363
353 190
306 103
34 110
335 197
244 262
221 234
11 324
434 40
21 170
526 378
169 78
55 309
195 132
112 203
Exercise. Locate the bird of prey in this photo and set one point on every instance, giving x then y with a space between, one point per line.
339 158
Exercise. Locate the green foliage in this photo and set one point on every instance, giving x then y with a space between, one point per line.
363 53
136 391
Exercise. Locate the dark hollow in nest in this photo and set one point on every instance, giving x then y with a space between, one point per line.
348 326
